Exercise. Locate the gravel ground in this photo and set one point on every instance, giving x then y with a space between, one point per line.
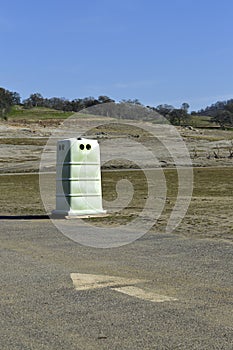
40 309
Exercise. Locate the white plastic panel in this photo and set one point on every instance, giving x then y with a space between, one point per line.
78 177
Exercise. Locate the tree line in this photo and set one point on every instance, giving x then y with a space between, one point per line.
7 100
221 112
63 104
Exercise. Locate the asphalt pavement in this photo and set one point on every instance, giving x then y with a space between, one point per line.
41 309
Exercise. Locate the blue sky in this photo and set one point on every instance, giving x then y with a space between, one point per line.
161 51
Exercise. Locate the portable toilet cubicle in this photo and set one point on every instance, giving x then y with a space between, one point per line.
78 178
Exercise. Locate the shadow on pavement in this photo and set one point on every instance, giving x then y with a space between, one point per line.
24 217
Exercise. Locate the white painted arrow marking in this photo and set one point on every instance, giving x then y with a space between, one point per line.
118 284
87 281
143 294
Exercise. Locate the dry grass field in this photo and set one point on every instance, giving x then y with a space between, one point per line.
210 211
209 214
